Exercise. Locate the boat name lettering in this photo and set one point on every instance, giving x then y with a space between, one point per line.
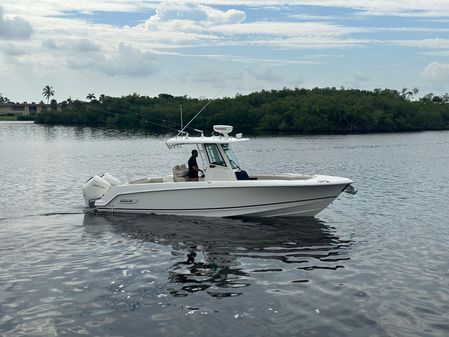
127 201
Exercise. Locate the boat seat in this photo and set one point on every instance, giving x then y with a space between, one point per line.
180 173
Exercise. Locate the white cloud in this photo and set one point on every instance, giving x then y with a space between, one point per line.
195 17
416 8
14 28
254 60
72 45
436 43
125 61
194 24
242 79
358 80
444 53
310 29
249 44
436 71
192 11
264 75
56 8
307 43
13 50
188 21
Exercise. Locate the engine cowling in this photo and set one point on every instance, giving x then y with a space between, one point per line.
94 189
111 179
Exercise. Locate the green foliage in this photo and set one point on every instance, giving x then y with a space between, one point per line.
317 110
9 118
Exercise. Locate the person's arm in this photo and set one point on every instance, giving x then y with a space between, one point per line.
197 169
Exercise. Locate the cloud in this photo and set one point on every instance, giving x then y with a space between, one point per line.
125 61
61 7
310 29
361 77
15 28
249 60
72 45
436 72
195 13
416 8
188 21
193 17
436 43
444 53
265 75
358 80
247 77
248 44
192 24
13 50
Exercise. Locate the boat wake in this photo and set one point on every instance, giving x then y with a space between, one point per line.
39 215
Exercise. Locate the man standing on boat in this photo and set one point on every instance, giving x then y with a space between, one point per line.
193 167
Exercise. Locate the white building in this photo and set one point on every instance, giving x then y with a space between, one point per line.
24 109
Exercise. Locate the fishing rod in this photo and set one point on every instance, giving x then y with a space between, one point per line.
139 115
204 107
146 119
139 118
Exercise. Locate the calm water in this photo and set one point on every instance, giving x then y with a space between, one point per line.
373 264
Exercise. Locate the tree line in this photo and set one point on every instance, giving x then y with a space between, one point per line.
317 110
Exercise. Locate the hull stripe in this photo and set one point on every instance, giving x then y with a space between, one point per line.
209 208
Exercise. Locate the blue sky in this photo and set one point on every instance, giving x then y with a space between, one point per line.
195 48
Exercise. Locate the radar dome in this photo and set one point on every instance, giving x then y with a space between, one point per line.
223 129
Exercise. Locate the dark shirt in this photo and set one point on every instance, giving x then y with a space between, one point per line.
192 172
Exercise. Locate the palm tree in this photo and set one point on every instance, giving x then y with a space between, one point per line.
90 97
48 92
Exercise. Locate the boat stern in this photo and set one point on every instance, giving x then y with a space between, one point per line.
96 187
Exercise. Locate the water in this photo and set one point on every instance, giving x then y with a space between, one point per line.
373 264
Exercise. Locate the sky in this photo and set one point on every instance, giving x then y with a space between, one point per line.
220 47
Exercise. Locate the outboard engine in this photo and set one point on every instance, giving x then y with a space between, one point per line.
94 189
111 179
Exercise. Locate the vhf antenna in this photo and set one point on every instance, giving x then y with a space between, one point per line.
180 106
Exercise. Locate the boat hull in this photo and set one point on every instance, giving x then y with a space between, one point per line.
225 199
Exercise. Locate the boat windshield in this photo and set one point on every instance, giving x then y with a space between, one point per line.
231 156
214 155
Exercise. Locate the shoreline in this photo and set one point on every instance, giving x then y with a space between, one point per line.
252 133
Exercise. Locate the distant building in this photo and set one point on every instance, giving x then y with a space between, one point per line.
25 109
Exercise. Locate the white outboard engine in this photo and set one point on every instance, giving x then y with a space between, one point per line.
94 189
111 179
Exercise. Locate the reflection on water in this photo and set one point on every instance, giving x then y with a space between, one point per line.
221 256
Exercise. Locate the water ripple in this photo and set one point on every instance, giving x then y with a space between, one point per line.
375 264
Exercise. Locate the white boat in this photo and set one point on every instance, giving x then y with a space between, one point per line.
224 190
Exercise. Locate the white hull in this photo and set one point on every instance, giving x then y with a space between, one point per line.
223 191
267 198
